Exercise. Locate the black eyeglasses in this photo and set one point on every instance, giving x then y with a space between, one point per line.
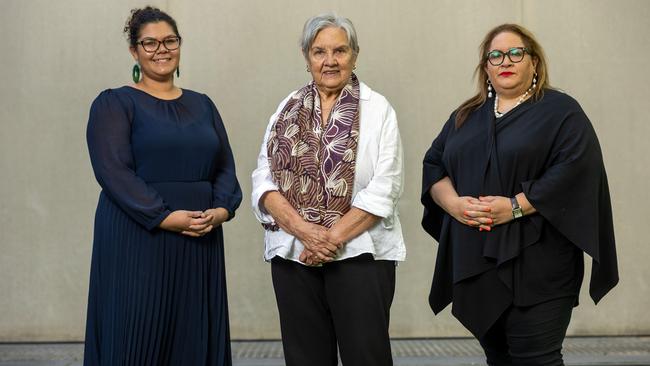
152 44
515 54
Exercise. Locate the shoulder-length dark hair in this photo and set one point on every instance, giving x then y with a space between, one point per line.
535 51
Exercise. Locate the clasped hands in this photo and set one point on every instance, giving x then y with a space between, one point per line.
194 223
483 212
321 245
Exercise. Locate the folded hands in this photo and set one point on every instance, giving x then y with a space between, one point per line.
321 245
194 223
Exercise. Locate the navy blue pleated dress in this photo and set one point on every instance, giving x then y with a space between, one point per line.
157 297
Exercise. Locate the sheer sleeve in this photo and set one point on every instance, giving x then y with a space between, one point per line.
109 143
226 191
434 170
573 195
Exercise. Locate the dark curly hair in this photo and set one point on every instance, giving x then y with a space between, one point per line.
141 17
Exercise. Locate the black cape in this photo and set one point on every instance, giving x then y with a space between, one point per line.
547 149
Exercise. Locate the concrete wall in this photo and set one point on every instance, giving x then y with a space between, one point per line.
57 56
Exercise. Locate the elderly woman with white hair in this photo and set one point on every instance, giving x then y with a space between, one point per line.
328 178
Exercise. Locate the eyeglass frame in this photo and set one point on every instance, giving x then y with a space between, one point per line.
141 43
503 55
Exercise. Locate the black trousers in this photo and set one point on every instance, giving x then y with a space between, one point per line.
344 302
530 335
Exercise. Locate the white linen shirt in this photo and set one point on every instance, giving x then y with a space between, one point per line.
378 185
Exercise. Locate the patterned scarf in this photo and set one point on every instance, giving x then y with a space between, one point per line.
313 165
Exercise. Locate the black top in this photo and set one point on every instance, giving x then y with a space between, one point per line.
548 150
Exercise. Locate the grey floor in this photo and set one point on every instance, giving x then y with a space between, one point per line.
578 351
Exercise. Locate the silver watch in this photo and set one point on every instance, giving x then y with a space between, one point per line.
517 212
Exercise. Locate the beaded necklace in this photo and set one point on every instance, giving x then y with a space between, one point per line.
498 114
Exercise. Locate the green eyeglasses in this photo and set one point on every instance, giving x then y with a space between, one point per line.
515 54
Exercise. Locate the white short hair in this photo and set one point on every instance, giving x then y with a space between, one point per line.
317 23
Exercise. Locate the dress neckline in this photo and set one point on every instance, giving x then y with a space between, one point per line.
155 97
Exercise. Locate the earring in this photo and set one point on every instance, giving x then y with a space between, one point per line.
354 67
489 88
308 70
535 80
178 72
135 73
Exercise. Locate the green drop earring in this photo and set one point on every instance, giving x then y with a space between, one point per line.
136 73
178 72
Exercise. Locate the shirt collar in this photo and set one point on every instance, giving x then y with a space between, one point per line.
364 91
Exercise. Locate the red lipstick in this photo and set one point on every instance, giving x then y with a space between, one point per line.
506 73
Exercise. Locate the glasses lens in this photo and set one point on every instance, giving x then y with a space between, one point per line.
516 54
172 43
495 57
150 45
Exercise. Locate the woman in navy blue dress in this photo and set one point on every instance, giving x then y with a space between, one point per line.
161 155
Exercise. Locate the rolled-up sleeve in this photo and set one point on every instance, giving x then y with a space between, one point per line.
382 193
262 180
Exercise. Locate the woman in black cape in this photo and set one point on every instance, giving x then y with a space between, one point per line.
514 191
